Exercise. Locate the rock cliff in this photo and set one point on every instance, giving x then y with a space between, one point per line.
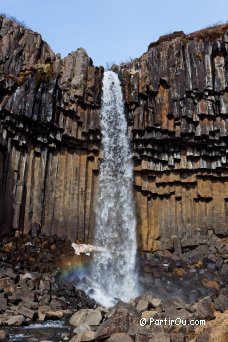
50 140
177 100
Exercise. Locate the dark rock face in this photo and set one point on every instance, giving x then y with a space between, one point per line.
49 136
177 101
50 141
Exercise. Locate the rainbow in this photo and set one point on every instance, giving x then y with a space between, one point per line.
74 268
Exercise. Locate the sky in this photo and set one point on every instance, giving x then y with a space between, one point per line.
112 31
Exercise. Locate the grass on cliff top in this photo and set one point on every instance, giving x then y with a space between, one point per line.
210 33
13 19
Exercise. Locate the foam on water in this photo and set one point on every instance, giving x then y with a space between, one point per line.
46 325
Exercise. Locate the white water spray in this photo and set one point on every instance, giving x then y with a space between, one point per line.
113 271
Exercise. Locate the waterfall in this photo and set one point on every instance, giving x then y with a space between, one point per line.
113 271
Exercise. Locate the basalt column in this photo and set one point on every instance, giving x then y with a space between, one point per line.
49 137
176 94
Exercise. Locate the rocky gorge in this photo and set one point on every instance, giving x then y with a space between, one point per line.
176 106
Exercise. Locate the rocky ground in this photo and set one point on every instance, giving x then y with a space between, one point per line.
191 274
190 286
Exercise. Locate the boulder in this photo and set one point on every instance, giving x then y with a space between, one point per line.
78 318
54 314
94 317
82 328
174 314
16 320
142 305
221 303
86 316
149 314
123 318
204 309
87 336
23 310
155 302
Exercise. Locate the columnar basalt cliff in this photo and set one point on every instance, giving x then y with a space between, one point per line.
177 99
50 140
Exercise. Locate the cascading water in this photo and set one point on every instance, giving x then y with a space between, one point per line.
113 271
